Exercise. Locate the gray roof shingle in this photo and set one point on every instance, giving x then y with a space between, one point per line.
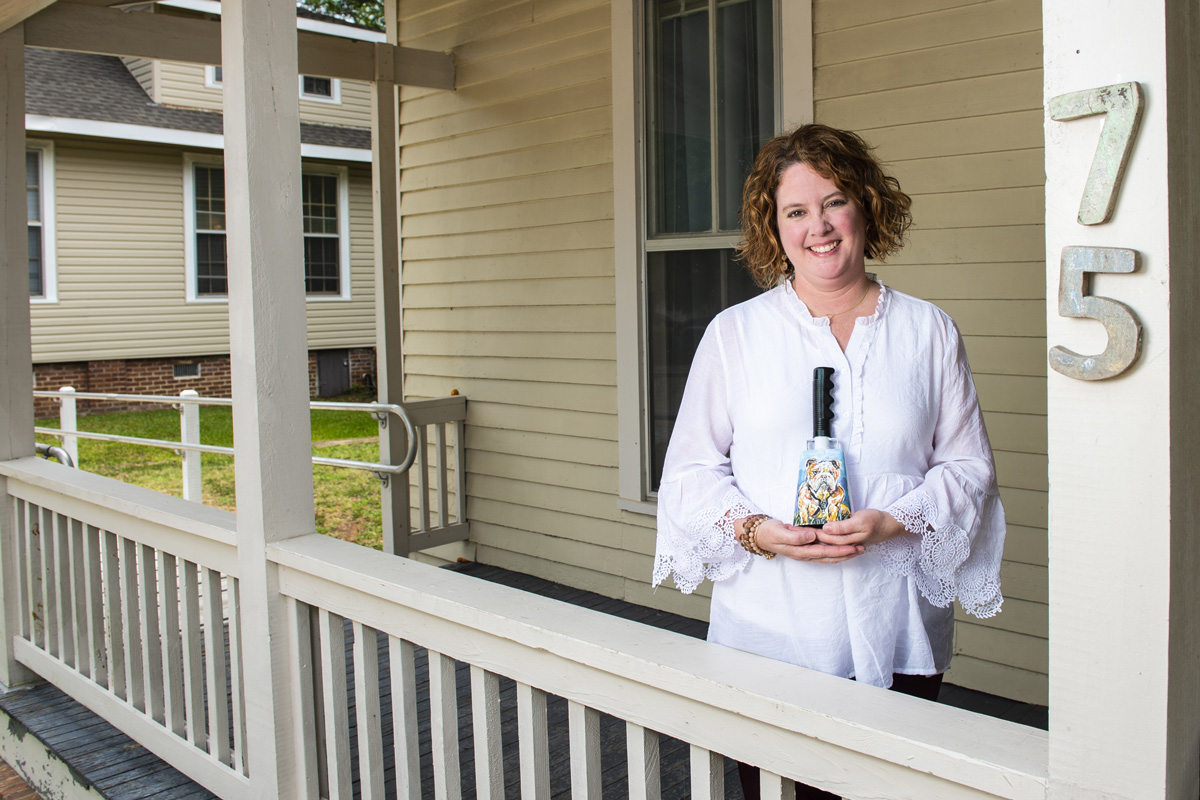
60 83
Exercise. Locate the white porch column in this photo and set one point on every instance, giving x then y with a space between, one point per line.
16 359
389 330
273 442
1125 452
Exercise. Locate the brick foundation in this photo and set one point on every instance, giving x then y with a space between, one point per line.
156 376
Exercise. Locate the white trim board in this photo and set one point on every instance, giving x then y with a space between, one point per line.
302 23
147 133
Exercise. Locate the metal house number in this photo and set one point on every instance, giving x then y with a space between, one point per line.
1122 106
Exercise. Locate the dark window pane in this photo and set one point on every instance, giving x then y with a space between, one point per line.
217 74
680 117
33 186
321 271
211 270
685 290
319 201
322 87
36 281
745 97
210 198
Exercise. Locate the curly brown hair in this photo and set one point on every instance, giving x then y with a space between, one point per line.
837 155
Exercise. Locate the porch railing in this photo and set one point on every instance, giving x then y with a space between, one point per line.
434 431
107 571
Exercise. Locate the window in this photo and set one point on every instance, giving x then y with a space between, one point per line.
312 87
211 277
322 270
326 230
39 208
325 90
710 105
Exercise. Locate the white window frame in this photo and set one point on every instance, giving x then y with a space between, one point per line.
190 160
189 227
210 77
49 238
794 69
335 89
343 207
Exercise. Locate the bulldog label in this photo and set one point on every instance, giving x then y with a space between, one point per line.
823 493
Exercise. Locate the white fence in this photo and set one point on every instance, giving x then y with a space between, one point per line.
120 601
439 463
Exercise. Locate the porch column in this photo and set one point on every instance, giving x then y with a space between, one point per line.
389 330
268 339
16 360
1125 451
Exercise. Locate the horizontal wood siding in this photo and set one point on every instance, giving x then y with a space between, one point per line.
182 84
121 284
142 69
950 92
509 291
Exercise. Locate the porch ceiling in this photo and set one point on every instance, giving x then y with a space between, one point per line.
121 28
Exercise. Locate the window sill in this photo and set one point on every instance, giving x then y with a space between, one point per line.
647 507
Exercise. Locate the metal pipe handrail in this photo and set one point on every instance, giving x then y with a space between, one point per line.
379 410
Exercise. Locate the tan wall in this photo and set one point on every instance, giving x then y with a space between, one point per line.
121 283
951 94
509 287
181 84
508 275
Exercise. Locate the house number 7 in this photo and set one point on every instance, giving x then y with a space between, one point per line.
1122 106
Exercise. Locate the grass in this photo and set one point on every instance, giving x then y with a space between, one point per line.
347 501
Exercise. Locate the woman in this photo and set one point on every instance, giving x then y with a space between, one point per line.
869 597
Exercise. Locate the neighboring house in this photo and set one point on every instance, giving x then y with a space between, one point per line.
126 226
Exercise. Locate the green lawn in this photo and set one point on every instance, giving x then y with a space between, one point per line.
347 501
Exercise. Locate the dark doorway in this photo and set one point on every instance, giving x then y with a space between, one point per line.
333 372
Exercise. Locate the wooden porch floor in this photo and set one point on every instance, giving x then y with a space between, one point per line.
120 769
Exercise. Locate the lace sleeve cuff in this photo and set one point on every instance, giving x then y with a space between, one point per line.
938 558
708 548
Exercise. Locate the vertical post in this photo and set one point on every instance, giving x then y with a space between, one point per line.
189 433
1124 688
268 340
68 420
389 329
16 354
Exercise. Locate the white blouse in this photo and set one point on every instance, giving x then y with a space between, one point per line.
908 419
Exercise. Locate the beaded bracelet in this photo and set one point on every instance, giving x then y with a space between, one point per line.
749 539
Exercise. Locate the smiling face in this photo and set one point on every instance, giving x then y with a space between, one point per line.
821 228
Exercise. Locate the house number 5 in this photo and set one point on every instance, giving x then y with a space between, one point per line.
1122 325
1122 106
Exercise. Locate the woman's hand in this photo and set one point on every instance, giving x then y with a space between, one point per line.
867 526
801 544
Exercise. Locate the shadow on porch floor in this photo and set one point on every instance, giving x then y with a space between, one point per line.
119 769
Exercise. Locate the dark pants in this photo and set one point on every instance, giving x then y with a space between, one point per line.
924 686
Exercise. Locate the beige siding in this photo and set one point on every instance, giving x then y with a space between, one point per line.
121 283
951 94
183 85
143 70
508 279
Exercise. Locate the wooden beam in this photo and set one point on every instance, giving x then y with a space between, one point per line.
92 29
14 12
